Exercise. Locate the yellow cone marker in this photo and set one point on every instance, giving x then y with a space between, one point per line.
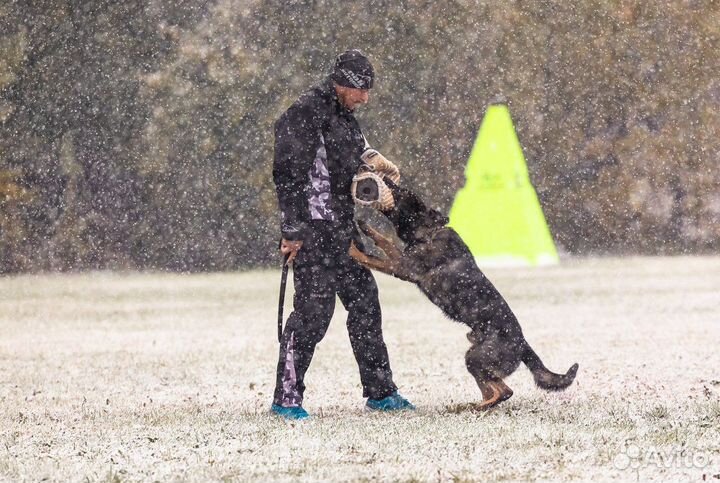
497 212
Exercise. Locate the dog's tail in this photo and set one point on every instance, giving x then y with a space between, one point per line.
544 378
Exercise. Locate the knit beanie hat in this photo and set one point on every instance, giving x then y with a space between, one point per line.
353 69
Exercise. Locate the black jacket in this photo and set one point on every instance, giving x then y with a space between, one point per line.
318 144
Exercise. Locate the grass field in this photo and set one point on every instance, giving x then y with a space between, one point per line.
168 377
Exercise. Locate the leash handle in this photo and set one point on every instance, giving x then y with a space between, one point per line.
281 303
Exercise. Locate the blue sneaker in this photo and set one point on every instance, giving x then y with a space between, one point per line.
294 413
393 402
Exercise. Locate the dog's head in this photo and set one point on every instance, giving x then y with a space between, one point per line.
411 218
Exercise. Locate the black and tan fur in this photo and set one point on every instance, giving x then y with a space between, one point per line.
441 265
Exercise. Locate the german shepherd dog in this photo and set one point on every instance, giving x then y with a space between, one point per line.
437 260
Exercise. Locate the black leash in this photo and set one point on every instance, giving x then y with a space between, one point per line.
281 304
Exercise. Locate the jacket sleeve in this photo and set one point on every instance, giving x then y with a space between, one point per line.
297 137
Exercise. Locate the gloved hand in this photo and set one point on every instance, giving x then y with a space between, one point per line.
380 165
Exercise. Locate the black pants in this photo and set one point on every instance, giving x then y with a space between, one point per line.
322 269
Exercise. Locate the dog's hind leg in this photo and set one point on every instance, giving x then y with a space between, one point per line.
481 362
494 392
488 390
505 391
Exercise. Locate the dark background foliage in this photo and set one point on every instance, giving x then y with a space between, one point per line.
138 135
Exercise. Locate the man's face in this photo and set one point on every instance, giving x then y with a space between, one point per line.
351 98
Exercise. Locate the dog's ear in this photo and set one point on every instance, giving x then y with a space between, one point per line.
439 218
475 337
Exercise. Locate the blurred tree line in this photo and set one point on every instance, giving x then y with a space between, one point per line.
138 134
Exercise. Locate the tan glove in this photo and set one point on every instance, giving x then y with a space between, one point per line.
369 189
380 165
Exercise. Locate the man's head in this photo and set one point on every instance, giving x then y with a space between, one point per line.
353 77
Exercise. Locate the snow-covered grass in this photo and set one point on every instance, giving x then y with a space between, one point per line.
168 377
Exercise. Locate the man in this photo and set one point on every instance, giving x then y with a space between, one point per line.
318 144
